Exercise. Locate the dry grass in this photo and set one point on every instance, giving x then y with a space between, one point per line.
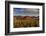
25 22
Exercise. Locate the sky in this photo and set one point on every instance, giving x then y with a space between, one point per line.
25 12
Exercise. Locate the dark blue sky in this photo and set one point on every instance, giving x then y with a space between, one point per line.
18 10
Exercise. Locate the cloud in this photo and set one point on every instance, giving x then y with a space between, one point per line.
26 11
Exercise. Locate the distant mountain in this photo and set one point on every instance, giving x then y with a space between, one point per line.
26 17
